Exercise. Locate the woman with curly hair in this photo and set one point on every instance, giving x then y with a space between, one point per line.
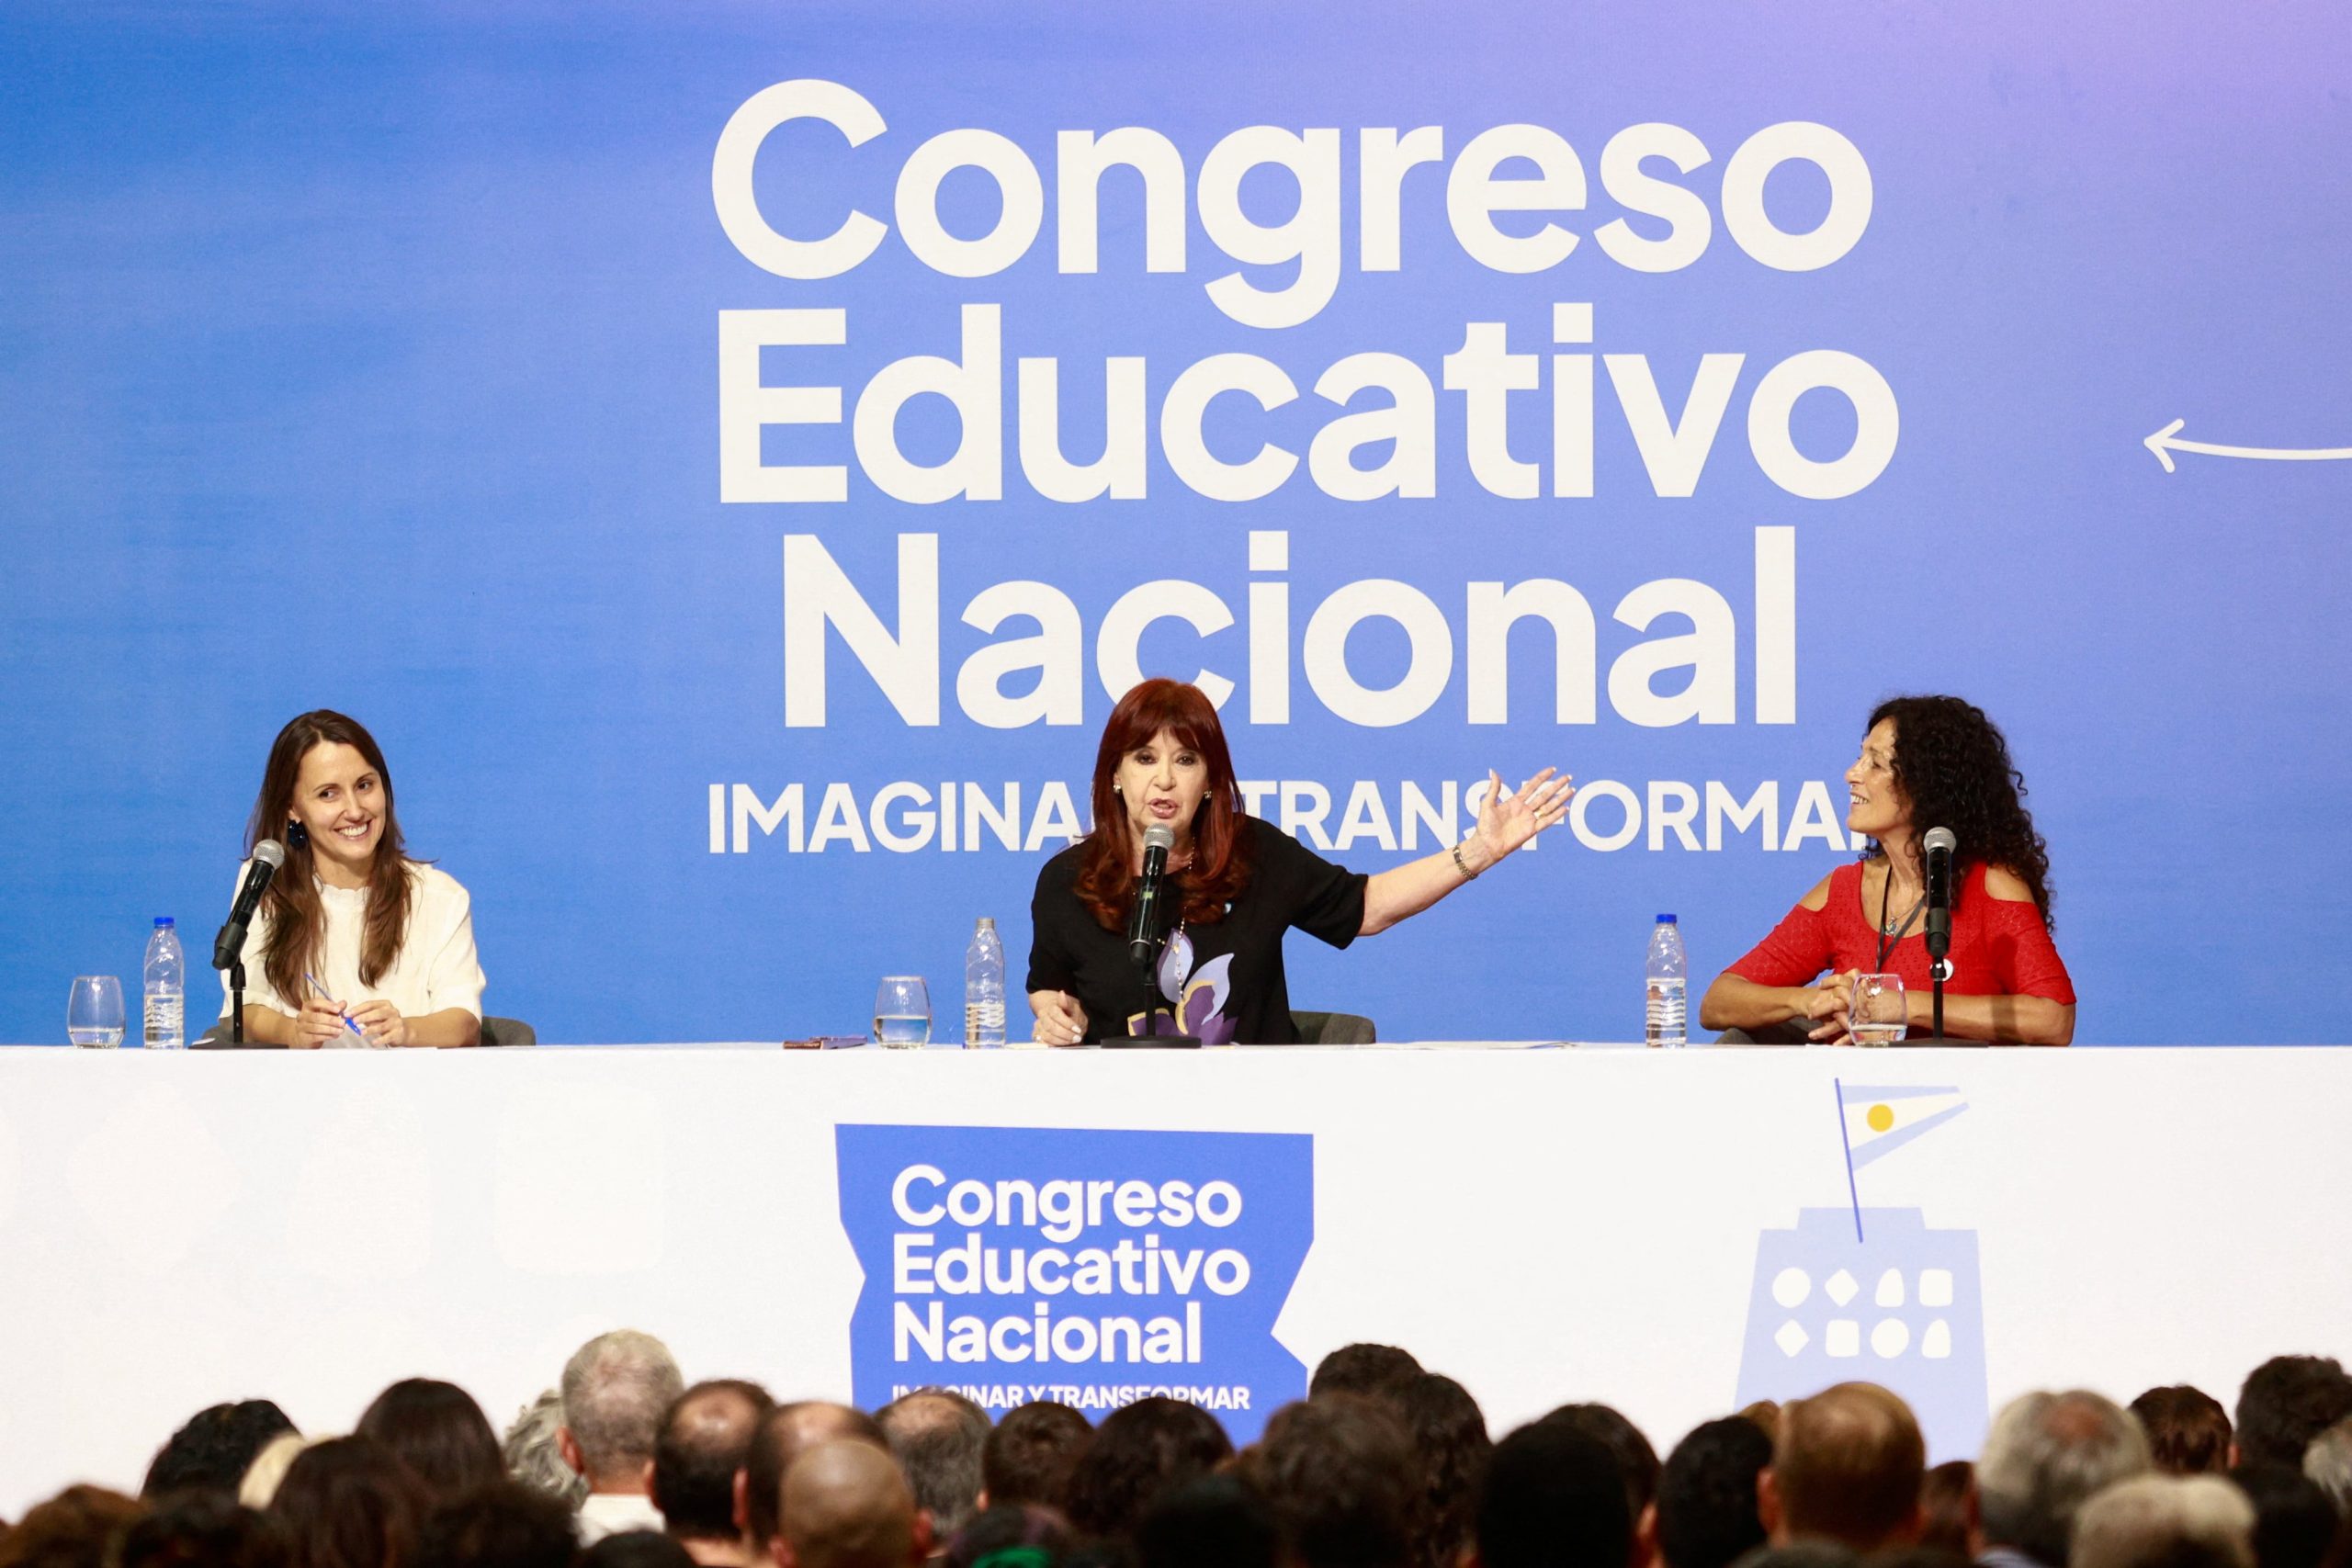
1926 762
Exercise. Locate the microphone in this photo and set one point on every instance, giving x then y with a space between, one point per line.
1940 844
268 855
1143 928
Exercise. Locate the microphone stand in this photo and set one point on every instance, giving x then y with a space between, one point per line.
1147 981
1936 974
237 1002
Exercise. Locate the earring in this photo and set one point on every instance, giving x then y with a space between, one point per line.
297 836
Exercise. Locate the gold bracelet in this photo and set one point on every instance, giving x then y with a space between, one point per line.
1467 874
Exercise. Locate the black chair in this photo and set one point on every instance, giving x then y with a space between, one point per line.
1333 1029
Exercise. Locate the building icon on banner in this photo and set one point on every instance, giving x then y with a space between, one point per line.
1874 1294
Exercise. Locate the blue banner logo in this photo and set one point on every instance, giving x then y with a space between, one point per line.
1091 1267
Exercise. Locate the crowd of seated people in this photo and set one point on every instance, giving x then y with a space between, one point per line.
1384 1464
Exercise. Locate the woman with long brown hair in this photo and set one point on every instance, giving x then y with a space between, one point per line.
354 943
1234 885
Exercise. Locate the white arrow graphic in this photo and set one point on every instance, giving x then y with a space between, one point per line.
2163 445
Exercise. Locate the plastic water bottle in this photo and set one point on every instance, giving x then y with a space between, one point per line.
984 987
1666 984
165 989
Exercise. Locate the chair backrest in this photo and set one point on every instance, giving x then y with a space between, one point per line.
1333 1029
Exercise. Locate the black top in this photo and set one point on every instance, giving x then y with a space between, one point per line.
1235 992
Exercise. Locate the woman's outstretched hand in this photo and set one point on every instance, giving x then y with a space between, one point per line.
1507 821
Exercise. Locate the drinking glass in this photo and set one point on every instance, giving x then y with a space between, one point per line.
902 1012
1876 1015
94 1012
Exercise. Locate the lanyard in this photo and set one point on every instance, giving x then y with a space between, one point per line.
1888 941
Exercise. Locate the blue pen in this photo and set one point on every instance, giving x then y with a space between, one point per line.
324 997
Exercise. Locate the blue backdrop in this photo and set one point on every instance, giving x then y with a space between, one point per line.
375 362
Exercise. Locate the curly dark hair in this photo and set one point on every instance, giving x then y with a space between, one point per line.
1953 765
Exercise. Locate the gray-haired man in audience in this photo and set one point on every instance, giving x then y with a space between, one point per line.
937 1437
616 1389
2166 1521
2047 1455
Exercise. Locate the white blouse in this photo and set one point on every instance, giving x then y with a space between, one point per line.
435 968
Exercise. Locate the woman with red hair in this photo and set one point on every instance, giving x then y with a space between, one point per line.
1234 885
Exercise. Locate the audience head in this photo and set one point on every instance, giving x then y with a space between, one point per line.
2287 1402
1847 1468
1706 1495
202 1528
500 1524
1139 1452
636 1549
1009 1528
2188 1432
2164 1521
937 1437
1212 1520
2295 1523
348 1502
1806 1554
1636 1461
534 1451
214 1451
72 1530
1553 1495
1030 1453
1450 1448
267 1471
846 1505
2328 1461
704 1438
784 1434
1948 1509
1337 1475
2046 1456
437 1430
616 1389
1362 1369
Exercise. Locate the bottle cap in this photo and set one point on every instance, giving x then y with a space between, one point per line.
163 921
987 922
1665 919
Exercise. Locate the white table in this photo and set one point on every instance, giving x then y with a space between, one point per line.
1543 1224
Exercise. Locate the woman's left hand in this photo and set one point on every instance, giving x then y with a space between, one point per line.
380 1023
1507 821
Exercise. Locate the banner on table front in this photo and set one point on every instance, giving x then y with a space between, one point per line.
1093 1268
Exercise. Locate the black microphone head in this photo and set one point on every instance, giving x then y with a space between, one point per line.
271 853
1159 836
1939 839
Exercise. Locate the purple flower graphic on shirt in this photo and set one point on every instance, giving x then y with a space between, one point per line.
1201 1010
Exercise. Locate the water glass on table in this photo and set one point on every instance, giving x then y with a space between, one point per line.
94 1012
1876 1015
902 1012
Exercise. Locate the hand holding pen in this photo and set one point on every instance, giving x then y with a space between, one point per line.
323 1018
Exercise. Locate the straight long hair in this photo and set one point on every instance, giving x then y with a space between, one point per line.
1220 868
296 914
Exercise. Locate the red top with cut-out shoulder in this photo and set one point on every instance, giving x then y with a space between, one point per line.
1999 946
